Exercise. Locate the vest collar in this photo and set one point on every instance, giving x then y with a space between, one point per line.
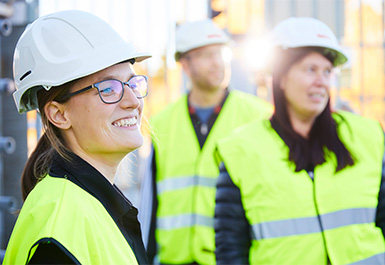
92 181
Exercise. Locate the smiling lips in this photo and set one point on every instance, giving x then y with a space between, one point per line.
125 122
317 96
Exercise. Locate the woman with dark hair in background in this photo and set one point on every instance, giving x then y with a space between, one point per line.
306 186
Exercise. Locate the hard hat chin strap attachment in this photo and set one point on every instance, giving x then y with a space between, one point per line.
46 87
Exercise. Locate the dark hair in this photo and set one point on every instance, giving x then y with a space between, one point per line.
305 153
49 144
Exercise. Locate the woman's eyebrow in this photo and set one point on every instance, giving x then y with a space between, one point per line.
107 77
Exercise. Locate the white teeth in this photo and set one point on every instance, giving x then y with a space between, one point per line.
126 122
317 95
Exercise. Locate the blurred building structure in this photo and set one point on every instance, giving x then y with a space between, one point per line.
14 16
359 85
358 24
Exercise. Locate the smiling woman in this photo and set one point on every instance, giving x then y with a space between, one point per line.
115 127
91 103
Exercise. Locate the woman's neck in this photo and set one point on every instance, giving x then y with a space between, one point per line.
302 126
106 165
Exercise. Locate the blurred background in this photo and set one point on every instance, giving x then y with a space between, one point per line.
150 24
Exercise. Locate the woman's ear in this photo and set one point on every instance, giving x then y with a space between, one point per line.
56 114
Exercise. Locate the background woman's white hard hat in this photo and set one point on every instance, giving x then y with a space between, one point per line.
192 35
64 46
298 32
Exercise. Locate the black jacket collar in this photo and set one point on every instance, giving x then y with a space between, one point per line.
91 180
117 205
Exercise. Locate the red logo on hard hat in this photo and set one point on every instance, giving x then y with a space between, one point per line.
323 36
213 36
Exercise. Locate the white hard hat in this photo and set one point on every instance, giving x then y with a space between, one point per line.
197 34
62 47
298 32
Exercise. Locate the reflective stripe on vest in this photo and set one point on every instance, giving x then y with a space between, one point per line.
184 220
308 225
186 176
376 259
172 184
332 215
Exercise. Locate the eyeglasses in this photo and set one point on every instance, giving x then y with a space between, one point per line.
111 90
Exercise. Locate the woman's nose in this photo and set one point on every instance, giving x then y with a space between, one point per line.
130 99
322 79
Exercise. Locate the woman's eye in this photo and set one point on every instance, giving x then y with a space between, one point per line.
107 90
311 69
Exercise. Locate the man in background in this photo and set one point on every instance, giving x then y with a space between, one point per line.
178 191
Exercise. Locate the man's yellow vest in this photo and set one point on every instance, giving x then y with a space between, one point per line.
186 176
59 209
298 221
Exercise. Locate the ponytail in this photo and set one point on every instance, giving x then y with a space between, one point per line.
37 165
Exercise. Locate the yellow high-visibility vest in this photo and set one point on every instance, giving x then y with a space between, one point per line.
297 221
186 176
48 214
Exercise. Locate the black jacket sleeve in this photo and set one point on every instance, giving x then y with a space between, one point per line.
380 215
232 229
151 245
48 253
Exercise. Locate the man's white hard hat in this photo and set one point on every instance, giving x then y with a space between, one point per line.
298 32
62 47
192 35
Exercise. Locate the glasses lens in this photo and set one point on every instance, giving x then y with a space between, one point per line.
110 90
139 85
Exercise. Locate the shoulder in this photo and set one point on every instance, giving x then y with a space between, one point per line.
245 137
356 121
52 207
356 128
248 98
50 194
255 127
350 117
171 108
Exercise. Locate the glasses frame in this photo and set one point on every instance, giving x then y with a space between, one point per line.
96 85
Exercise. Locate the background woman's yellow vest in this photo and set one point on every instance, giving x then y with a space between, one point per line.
286 208
186 176
55 207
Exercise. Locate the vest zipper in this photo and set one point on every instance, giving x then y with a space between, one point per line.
311 174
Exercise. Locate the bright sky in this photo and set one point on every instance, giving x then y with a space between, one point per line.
148 24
